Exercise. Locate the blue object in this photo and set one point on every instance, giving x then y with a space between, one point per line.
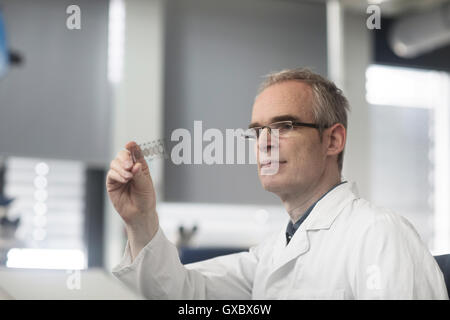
5 201
444 263
4 53
190 255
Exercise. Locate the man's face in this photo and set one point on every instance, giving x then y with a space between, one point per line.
302 155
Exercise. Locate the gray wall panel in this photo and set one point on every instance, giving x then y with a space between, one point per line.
56 104
216 54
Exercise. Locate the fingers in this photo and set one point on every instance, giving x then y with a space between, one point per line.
119 167
114 177
123 168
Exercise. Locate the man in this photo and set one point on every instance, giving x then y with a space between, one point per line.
336 245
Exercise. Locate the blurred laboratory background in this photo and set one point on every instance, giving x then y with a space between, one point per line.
79 79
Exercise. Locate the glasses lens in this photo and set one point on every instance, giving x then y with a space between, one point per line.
250 134
282 126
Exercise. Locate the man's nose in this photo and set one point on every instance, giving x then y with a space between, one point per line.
264 140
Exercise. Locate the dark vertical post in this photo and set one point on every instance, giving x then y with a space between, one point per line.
94 216
2 174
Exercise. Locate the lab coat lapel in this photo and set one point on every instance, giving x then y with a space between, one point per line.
282 254
298 245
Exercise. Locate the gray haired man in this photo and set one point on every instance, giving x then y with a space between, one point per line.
336 245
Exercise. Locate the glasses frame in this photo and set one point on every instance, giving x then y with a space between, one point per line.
292 123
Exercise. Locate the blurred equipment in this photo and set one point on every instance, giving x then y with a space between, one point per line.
420 26
8 227
185 236
4 55
7 57
15 58
191 255
91 284
416 34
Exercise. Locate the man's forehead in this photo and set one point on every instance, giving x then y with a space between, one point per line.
285 98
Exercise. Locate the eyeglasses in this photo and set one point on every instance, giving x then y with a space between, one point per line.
282 127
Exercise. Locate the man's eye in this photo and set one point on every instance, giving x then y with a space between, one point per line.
286 126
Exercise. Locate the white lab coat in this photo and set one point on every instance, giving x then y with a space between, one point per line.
345 249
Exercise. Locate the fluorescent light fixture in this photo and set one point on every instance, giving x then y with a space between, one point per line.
335 34
412 35
376 1
46 259
401 87
116 40
440 98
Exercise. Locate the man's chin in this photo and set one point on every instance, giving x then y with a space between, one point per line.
271 183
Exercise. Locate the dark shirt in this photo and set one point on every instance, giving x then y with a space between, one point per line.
291 227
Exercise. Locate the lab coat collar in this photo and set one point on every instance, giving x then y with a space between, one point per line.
322 216
327 209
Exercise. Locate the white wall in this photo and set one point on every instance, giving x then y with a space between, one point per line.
357 57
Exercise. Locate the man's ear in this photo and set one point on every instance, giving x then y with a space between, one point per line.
337 135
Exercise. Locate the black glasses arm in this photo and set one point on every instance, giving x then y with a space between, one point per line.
302 124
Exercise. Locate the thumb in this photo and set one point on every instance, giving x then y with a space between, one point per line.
140 168
137 155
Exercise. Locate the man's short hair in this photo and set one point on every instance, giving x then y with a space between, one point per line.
330 106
